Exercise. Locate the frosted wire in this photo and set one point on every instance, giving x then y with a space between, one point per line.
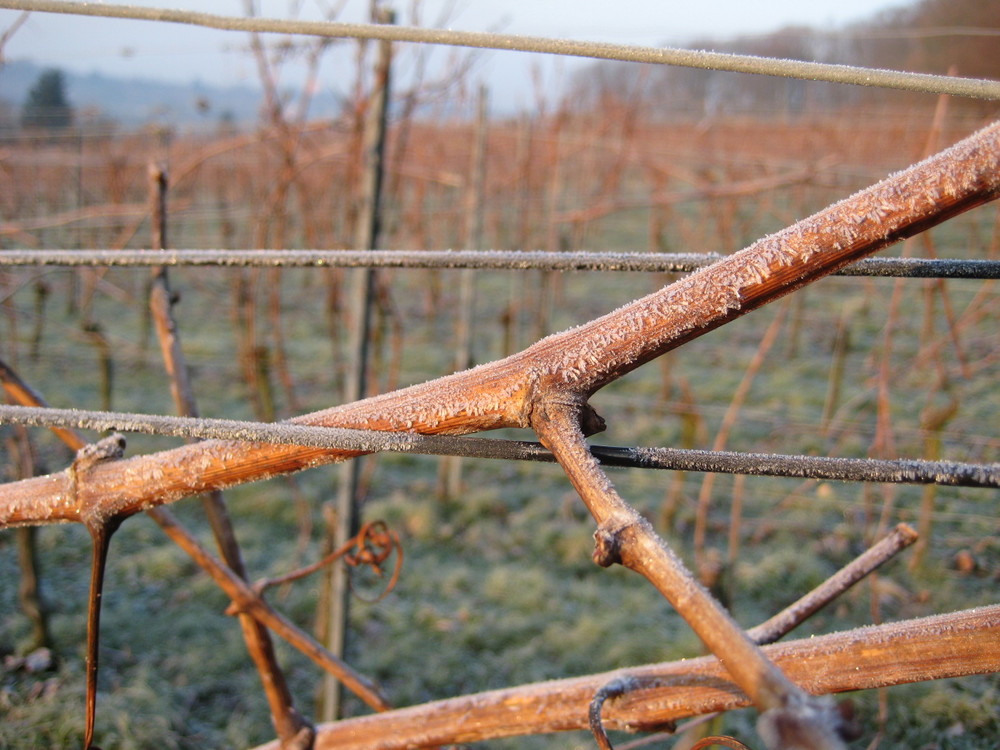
858 76
949 268
814 467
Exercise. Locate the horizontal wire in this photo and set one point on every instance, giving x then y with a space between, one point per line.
948 268
854 75
906 471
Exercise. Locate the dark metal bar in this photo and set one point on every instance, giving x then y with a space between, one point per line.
948 268
902 471
361 301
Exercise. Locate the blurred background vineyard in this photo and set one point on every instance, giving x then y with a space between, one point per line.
498 588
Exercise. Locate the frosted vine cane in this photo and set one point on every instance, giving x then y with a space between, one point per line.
790 718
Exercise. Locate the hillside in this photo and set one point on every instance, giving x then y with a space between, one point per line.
133 102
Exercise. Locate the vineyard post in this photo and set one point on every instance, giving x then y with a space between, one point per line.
363 284
473 231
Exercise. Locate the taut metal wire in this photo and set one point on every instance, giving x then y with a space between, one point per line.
946 268
904 471
813 71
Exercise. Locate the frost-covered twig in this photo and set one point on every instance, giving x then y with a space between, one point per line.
248 602
878 554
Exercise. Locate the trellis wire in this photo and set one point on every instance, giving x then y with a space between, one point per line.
949 473
855 75
947 268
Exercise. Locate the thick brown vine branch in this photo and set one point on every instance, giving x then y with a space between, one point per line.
790 718
958 644
578 361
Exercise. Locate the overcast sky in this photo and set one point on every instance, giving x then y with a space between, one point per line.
177 53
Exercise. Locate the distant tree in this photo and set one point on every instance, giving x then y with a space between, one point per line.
46 105
8 116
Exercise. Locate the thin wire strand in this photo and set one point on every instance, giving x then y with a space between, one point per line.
943 268
947 473
854 75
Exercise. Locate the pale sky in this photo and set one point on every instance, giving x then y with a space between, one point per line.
137 49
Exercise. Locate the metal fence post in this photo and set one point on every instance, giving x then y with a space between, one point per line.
362 293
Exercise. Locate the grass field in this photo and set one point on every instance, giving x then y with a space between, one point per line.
498 588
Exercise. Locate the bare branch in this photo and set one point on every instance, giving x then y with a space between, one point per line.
787 619
952 645
247 601
789 717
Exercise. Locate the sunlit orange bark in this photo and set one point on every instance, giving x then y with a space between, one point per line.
953 645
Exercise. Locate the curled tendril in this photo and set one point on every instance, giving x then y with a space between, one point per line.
615 689
370 547
621 685
374 544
